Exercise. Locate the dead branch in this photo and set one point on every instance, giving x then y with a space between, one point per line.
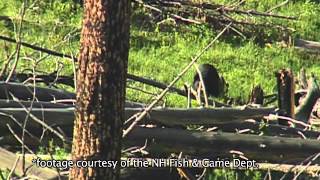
18 40
5 65
291 121
28 112
25 92
174 16
19 139
209 18
277 6
223 8
48 51
213 20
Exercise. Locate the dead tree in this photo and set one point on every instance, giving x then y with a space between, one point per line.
305 108
256 96
285 83
101 80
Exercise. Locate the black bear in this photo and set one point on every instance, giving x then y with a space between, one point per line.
215 85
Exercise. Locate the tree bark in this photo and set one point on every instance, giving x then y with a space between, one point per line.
101 86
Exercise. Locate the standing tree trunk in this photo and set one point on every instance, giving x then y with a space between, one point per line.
285 83
101 80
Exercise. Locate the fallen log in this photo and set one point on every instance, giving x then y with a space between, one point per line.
26 92
267 130
310 46
238 128
203 116
49 79
14 113
52 117
37 48
59 121
130 104
162 142
168 116
226 119
36 104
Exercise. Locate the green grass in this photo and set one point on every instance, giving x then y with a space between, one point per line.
160 52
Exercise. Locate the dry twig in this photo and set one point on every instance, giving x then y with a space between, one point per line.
18 40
